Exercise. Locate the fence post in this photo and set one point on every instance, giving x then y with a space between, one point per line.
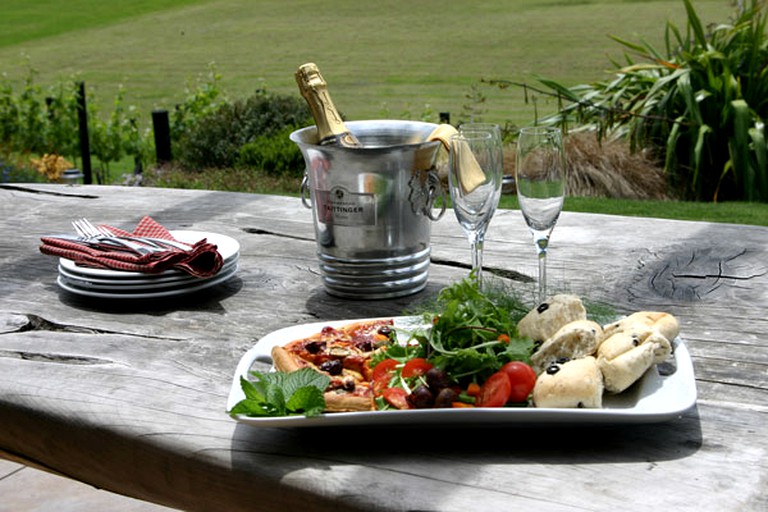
162 128
85 144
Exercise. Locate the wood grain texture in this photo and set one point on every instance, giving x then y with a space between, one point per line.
131 397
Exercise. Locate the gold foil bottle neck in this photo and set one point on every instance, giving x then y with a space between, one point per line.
331 129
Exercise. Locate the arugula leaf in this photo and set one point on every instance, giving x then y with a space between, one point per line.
474 333
283 394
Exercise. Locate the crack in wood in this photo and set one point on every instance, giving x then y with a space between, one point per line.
53 358
689 274
16 323
499 272
45 192
260 231
717 276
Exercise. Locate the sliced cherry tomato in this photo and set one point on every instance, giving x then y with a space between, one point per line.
522 378
495 391
382 373
416 367
396 397
384 368
504 338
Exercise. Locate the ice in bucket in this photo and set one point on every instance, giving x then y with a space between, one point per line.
372 207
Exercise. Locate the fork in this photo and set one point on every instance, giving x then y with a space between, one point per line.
160 243
85 229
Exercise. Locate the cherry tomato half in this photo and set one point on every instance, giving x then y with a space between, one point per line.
495 391
396 397
382 374
415 367
522 378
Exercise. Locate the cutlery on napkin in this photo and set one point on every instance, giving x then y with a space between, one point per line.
201 260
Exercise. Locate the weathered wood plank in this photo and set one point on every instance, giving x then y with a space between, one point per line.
131 397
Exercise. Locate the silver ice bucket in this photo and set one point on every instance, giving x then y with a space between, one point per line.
372 207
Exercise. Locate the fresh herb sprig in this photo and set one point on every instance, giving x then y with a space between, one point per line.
283 394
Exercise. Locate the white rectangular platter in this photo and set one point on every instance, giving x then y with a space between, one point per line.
655 398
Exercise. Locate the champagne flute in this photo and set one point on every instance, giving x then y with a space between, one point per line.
474 179
540 180
495 131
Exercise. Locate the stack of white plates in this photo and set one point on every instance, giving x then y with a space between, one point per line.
116 284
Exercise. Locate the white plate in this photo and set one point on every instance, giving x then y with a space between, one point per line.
192 286
163 280
654 398
227 246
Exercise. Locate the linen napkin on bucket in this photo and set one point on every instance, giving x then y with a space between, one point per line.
201 260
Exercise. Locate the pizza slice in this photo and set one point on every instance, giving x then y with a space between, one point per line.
343 354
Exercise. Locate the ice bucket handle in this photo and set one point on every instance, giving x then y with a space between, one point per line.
306 200
435 190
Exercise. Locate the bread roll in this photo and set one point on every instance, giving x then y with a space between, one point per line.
626 368
631 335
547 318
666 324
575 383
574 340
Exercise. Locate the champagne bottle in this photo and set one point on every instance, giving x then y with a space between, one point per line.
331 130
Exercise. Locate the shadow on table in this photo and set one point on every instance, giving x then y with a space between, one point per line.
372 446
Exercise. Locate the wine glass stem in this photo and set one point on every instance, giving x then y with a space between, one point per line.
476 242
541 248
542 276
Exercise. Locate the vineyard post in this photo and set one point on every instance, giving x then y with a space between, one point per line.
85 145
162 129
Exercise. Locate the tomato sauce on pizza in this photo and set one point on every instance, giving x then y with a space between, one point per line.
343 354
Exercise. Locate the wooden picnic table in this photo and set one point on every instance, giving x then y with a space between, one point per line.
131 397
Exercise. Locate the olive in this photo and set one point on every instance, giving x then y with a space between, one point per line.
313 347
437 379
366 346
445 398
542 307
421 398
553 369
332 366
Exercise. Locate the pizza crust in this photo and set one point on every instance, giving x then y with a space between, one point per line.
339 402
284 361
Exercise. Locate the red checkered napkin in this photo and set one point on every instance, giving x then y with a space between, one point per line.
201 260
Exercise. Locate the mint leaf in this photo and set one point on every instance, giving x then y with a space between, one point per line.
283 394
307 399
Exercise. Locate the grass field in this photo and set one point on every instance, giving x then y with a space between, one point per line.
387 58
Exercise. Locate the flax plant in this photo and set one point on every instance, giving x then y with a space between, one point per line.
701 104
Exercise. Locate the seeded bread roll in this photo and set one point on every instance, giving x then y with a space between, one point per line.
666 324
546 319
623 370
574 340
575 383
625 356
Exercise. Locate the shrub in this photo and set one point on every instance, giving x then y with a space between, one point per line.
274 154
217 138
701 104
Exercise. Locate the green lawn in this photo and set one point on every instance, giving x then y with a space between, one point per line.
388 58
